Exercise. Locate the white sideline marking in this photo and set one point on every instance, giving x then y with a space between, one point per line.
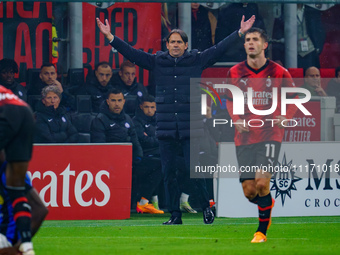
162 237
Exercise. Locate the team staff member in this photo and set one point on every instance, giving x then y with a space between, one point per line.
16 139
259 146
172 71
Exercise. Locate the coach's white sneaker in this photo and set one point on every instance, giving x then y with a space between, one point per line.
26 248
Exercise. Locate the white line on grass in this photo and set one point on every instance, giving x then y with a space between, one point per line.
159 237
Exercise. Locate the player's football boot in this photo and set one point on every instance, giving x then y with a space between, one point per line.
270 217
26 248
208 215
185 207
148 208
259 237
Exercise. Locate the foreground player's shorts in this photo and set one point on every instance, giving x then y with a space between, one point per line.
253 157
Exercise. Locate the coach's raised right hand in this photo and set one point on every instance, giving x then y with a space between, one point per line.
105 29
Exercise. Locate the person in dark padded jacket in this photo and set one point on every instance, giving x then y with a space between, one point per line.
172 71
112 125
52 123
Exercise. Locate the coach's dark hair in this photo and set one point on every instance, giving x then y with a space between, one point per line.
8 64
262 33
180 32
148 98
114 91
103 63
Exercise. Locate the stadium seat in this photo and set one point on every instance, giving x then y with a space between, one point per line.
32 100
131 102
75 77
84 104
32 77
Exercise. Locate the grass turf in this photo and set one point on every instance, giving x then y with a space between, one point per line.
144 234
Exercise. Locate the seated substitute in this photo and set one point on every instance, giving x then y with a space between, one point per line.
52 122
149 171
97 85
132 90
8 68
112 125
9 236
48 77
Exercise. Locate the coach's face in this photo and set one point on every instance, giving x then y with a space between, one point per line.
176 45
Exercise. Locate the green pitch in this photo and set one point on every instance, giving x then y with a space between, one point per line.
144 234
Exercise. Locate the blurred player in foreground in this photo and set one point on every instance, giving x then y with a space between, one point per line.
16 139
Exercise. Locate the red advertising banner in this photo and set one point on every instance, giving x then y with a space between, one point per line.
25 33
83 182
308 128
138 24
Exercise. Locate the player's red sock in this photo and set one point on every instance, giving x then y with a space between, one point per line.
265 207
22 213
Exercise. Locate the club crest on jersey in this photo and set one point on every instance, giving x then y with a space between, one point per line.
268 82
63 119
127 125
139 93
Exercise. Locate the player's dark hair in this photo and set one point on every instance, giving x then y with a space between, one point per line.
180 32
148 98
8 65
103 64
46 64
262 33
114 91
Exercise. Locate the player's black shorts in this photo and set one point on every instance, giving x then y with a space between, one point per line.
257 156
16 132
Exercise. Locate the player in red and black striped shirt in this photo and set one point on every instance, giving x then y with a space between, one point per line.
258 137
16 139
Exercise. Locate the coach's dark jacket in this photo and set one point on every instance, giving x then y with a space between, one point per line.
109 127
146 132
172 79
53 125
